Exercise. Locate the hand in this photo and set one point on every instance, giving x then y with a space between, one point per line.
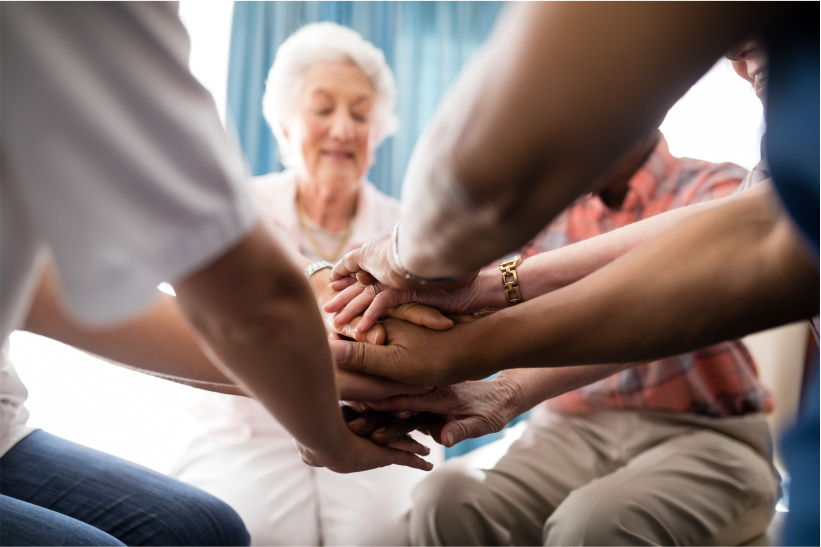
360 454
415 355
464 411
375 334
358 386
377 300
374 262
389 428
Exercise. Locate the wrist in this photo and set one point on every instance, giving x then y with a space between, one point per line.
416 274
519 391
319 281
335 445
491 294
510 397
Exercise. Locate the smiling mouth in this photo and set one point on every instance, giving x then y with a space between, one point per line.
338 154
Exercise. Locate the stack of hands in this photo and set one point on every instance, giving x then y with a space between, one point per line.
389 337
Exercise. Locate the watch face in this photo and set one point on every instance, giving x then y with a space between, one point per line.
511 258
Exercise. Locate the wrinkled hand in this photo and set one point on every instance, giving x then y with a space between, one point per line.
377 300
413 355
374 262
461 411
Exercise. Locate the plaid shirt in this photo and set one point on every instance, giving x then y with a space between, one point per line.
717 381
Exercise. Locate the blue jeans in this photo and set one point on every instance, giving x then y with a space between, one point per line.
55 492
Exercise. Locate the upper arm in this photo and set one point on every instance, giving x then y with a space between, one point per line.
116 154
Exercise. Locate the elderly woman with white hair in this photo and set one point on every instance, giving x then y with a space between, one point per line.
329 100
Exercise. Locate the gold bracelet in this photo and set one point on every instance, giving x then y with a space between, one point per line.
512 292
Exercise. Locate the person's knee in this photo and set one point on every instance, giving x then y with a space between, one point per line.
198 518
444 511
22 523
608 520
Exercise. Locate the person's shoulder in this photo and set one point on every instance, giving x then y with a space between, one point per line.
698 172
273 182
379 198
726 169
380 212
274 195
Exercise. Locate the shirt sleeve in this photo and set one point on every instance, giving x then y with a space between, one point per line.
115 152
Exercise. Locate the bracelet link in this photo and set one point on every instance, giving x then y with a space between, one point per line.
510 280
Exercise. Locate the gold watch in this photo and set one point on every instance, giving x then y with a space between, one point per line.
510 280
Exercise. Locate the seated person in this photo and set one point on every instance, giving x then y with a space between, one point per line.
733 269
322 205
674 452
691 424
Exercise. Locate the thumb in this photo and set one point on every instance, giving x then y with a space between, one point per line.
359 357
465 428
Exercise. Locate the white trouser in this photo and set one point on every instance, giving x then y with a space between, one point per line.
255 467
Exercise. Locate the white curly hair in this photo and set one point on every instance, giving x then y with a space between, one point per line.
315 43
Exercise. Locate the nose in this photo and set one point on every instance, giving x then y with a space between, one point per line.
342 126
743 50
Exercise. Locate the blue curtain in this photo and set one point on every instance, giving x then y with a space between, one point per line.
425 43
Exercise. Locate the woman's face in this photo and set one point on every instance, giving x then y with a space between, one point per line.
750 62
333 124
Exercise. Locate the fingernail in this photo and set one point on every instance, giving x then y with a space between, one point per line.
364 407
379 431
359 422
449 437
340 352
404 414
337 320
425 450
428 466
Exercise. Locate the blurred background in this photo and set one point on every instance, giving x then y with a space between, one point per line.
144 419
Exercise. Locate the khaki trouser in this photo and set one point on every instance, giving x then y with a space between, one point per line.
608 478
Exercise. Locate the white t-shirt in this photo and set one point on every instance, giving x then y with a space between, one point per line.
114 162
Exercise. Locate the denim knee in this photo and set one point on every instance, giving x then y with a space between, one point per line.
195 517
22 523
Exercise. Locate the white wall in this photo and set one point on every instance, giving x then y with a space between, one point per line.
209 26
144 419
719 119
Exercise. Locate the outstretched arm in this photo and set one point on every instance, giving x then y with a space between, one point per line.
538 275
728 272
477 408
558 94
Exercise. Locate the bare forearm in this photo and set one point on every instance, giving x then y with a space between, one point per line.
256 312
159 341
546 272
513 144
536 385
721 275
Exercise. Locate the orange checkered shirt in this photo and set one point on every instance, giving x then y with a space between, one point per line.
717 381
